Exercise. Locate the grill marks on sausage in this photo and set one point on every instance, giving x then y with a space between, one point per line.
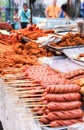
69 114
59 123
68 88
56 106
62 97
74 74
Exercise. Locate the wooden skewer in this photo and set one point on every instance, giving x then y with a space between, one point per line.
17 81
30 100
25 91
20 81
13 75
34 117
7 68
10 81
27 88
28 91
26 98
22 88
12 71
27 95
18 84
33 105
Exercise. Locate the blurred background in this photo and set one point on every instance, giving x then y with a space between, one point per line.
7 8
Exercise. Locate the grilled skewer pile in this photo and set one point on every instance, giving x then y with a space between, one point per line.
77 77
53 100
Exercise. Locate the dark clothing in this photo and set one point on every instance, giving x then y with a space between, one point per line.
1 127
24 24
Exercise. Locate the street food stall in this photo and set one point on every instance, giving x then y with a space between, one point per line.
42 77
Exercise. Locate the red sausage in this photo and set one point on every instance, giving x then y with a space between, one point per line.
59 123
69 114
62 97
68 88
56 106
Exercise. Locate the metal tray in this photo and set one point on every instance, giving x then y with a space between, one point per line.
62 48
49 128
26 39
71 52
58 128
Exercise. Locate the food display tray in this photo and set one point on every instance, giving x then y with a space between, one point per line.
26 39
62 48
49 128
58 128
55 64
71 53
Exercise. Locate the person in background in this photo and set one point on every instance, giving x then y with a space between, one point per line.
16 19
64 13
53 11
24 16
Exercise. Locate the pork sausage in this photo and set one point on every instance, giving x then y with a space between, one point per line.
56 106
62 97
69 114
59 123
68 88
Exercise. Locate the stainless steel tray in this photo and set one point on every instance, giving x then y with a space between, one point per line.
58 128
49 128
55 64
62 48
71 52
26 39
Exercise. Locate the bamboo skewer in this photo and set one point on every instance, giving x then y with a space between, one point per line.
23 85
8 68
23 80
22 88
28 91
27 95
13 75
17 81
20 81
34 117
26 99
23 98
30 100
34 105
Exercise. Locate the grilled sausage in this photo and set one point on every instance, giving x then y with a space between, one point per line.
68 88
62 97
68 114
75 73
55 106
58 123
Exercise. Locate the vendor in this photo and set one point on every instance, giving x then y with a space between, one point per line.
53 11
24 16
